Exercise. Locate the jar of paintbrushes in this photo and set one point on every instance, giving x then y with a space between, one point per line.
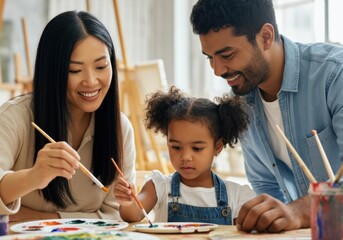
326 197
326 210
326 202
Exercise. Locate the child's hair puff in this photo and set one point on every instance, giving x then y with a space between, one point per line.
225 119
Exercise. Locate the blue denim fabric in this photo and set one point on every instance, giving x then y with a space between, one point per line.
178 212
311 97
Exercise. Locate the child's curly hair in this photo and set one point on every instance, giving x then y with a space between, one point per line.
225 119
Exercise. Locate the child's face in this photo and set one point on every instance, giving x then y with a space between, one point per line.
191 150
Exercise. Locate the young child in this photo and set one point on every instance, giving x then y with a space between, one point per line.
197 129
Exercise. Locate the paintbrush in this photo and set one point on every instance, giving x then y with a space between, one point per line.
132 193
296 156
83 168
325 159
339 174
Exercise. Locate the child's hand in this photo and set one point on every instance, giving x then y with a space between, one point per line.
122 192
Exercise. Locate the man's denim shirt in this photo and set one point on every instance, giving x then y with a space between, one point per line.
311 97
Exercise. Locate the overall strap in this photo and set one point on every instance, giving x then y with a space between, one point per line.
175 185
221 193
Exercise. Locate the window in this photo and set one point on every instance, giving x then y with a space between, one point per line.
310 20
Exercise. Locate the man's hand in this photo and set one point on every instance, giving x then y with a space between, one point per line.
267 214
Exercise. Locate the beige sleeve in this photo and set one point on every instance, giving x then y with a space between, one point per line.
10 208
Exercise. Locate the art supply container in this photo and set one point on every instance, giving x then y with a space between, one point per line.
326 210
3 225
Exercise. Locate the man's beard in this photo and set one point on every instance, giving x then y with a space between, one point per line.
256 72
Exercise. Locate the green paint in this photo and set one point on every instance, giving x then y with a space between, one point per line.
76 222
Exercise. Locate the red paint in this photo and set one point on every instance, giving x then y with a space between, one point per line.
35 227
66 229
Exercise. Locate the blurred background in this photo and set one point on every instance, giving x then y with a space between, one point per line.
156 32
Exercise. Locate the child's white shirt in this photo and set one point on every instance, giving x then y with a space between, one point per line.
196 196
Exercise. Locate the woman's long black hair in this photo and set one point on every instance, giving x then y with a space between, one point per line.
59 38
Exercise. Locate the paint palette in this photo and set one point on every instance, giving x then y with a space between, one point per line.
68 225
113 235
175 227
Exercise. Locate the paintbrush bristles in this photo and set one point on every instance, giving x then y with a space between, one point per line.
146 216
296 156
324 157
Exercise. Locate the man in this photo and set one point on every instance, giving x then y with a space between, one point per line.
296 86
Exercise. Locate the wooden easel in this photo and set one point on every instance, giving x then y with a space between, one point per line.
130 93
11 88
88 5
21 84
25 81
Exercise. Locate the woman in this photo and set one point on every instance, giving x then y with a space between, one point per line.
75 100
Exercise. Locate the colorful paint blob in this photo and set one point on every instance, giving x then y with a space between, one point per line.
153 226
77 221
68 225
175 227
33 228
51 223
110 235
65 229
187 225
326 210
105 224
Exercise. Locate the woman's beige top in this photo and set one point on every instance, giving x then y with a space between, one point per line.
17 150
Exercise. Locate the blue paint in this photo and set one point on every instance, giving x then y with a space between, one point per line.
320 226
3 225
56 230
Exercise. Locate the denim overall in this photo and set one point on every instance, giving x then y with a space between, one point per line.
178 212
